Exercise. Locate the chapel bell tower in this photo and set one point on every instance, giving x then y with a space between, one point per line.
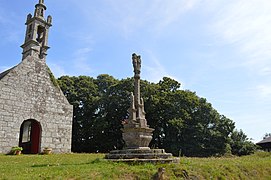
36 37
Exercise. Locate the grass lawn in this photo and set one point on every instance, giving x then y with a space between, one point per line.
93 166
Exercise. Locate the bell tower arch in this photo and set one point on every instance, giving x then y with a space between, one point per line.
36 37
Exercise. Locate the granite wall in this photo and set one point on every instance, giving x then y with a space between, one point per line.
28 91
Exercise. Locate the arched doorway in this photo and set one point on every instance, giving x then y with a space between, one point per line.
30 135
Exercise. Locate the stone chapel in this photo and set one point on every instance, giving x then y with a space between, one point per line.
34 113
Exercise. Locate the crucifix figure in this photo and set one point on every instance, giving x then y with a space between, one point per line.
136 64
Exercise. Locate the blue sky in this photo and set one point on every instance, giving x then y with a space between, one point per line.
219 49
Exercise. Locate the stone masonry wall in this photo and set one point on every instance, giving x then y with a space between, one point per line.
27 92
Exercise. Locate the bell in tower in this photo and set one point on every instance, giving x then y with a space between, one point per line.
36 38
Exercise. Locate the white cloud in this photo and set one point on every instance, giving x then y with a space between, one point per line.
265 71
154 73
82 37
264 90
13 36
56 69
10 31
141 15
172 11
80 62
82 51
3 17
153 70
83 43
78 65
255 124
246 26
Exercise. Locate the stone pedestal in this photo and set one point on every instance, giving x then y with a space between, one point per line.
136 138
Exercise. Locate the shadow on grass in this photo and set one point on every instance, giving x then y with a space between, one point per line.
97 160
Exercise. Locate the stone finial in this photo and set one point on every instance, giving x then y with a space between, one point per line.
49 19
29 16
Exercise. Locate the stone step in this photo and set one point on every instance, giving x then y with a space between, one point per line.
136 151
154 161
139 156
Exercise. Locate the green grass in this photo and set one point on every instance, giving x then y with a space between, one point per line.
93 166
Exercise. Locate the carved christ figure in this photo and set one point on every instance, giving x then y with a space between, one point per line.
136 64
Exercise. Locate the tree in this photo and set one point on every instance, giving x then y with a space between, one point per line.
112 110
240 144
186 123
100 105
82 93
183 122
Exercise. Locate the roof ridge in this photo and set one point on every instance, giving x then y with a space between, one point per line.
268 139
3 74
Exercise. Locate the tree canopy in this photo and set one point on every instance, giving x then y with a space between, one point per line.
184 123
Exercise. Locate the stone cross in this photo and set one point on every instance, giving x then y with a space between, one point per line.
136 132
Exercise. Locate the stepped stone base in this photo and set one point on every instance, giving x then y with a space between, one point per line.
142 155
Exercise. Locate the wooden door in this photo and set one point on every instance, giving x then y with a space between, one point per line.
30 134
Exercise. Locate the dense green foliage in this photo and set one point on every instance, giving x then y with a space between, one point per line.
184 123
240 144
93 166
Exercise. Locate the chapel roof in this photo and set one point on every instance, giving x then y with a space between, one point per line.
266 140
3 74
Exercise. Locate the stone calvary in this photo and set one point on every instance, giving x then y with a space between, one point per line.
35 114
136 132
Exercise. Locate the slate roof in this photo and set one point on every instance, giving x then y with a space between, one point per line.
266 140
3 74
